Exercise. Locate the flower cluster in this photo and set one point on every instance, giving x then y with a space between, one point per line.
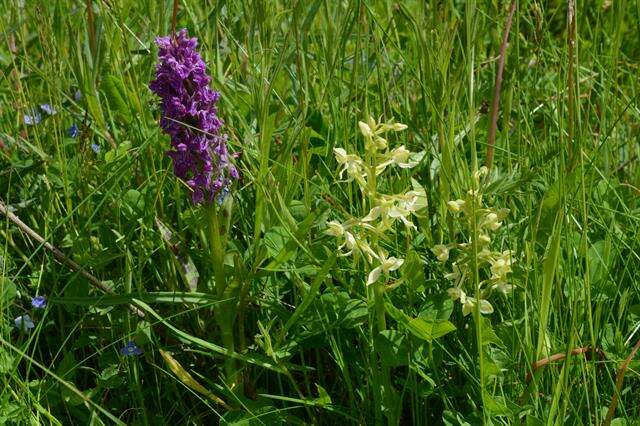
356 234
479 222
189 116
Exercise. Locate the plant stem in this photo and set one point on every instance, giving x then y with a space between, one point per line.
224 313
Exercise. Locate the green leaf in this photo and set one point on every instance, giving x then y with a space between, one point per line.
116 95
110 378
134 200
392 347
489 336
6 361
309 296
8 291
183 261
323 397
495 405
428 330
275 239
437 308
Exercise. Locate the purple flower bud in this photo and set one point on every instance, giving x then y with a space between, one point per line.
189 116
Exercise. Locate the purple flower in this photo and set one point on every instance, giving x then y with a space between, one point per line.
77 96
39 302
34 117
48 109
130 349
189 116
95 148
73 131
24 323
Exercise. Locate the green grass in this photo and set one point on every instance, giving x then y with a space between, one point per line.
295 78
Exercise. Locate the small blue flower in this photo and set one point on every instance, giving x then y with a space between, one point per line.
24 323
78 95
222 195
48 109
96 148
130 349
73 131
33 118
39 302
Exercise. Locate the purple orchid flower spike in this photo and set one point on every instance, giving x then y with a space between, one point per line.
189 116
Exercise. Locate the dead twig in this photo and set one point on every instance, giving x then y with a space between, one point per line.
558 357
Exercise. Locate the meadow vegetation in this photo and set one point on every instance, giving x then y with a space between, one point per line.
435 219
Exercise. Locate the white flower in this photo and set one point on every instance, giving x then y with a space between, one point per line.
491 221
501 266
456 206
335 229
399 212
504 288
398 127
457 274
365 129
484 239
469 303
351 163
441 252
24 323
350 243
402 157
414 200
387 265
482 171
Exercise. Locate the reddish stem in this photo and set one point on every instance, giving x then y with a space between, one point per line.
496 94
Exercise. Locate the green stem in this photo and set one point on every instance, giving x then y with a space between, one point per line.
378 297
224 315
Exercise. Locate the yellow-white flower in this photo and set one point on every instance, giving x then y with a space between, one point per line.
501 266
401 157
441 252
365 129
484 239
491 221
414 200
469 303
387 264
456 206
482 171
335 229
350 163
457 275
398 127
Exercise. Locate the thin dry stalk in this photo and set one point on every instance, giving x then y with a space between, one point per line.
496 93
619 380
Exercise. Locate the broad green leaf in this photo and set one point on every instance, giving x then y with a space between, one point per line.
392 348
428 330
